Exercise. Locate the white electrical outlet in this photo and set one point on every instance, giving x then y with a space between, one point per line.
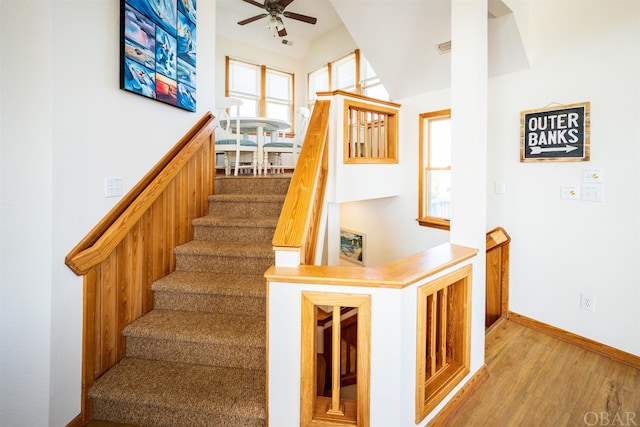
587 302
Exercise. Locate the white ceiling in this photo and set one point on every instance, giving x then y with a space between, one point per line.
398 37
299 34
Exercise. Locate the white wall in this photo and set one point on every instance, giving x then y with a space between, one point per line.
561 248
332 45
65 127
26 209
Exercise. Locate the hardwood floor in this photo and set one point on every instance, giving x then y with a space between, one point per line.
538 381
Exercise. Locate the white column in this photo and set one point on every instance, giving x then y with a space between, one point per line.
469 159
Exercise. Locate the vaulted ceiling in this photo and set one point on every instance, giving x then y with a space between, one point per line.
398 37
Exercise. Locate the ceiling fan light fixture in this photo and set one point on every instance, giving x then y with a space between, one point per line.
272 22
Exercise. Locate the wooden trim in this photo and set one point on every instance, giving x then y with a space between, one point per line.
582 342
104 237
397 274
76 422
434 222
262 103
227 60
361 97
357 76
459 398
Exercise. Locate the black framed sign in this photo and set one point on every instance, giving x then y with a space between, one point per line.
559 134
158 50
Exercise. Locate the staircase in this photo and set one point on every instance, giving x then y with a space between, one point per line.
198 358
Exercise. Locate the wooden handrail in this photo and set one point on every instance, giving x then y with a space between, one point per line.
296 227
96 246
395 274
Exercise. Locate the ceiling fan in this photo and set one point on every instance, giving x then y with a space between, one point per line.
275 11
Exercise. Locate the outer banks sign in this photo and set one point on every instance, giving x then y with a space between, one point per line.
559 134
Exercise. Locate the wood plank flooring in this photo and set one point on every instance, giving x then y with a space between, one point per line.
538 381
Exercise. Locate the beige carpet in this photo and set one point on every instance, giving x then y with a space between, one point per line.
198 358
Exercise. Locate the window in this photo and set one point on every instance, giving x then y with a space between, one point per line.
371 84
343 73
351 73
264 91
435 169
243 81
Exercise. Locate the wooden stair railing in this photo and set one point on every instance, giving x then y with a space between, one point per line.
132 246
298 225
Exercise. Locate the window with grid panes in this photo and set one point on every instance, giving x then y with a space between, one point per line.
274 99
435 169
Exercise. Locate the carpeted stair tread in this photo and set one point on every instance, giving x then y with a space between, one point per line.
227 249
193 282
226 221
199 327
270 184
253 198
175 386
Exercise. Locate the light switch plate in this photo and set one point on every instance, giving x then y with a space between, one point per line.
592 176
593 193
112 186
569 192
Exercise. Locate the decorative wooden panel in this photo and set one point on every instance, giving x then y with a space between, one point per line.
443 341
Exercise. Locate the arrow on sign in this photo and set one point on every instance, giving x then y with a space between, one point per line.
540 150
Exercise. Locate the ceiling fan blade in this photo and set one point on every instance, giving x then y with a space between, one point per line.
253 18
298 17
285 3
281 30
255 3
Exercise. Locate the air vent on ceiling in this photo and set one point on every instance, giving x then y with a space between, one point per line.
287 42
444 47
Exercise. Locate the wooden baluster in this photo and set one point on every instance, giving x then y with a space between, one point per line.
367 133
443 327
432 333
335 408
